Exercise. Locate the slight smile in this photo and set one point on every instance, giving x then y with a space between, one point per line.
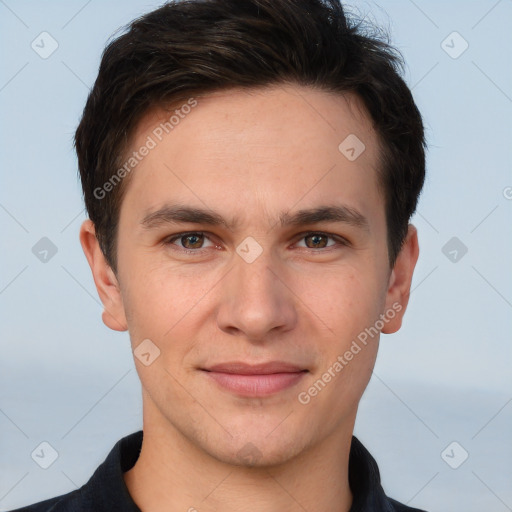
255 380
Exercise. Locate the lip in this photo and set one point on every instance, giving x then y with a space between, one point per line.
255 380
241 368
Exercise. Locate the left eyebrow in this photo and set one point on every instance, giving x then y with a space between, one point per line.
175 214
335 213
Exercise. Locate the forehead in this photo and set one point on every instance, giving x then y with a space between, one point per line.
256 148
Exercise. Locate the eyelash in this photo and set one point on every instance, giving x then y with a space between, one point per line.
340 242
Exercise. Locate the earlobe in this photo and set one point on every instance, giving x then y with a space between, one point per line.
104 278
399 287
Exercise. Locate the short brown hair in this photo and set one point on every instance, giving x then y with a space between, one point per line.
193 47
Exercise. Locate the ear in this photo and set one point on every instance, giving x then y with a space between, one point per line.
399 286
104 278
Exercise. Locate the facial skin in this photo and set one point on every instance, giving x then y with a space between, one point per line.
251 156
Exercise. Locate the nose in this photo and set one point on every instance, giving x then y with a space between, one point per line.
257 302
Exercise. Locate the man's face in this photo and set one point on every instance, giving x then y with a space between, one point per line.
257 289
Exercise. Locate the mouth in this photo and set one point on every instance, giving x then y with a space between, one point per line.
255 380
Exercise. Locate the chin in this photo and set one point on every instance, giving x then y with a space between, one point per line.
255 447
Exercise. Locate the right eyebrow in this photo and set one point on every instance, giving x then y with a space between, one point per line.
174 214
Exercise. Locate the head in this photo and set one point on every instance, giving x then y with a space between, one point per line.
261 114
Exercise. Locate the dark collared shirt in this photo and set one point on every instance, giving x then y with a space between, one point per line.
106 490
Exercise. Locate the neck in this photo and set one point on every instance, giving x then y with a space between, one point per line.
172 474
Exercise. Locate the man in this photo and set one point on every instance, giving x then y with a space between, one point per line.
249 169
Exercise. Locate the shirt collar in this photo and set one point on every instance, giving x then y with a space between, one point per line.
364 480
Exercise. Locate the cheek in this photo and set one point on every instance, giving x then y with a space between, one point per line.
350 300
160 300
351 306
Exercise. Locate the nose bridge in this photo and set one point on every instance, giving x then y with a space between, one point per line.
255 276
255 282
253 262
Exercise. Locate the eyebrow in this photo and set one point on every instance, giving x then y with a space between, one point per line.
175 214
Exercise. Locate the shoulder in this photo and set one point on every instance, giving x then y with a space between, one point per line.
105 490
400 507
71 502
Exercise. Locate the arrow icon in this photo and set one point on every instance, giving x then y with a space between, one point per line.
44 45
44 250
454 455
351 147
147 352
454 249
44 455
249 249
454 45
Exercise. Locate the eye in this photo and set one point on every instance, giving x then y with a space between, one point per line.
192 241
318 240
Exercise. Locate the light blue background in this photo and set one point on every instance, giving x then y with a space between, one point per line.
66 379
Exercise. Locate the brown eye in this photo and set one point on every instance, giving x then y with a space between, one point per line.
192 242
317 240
